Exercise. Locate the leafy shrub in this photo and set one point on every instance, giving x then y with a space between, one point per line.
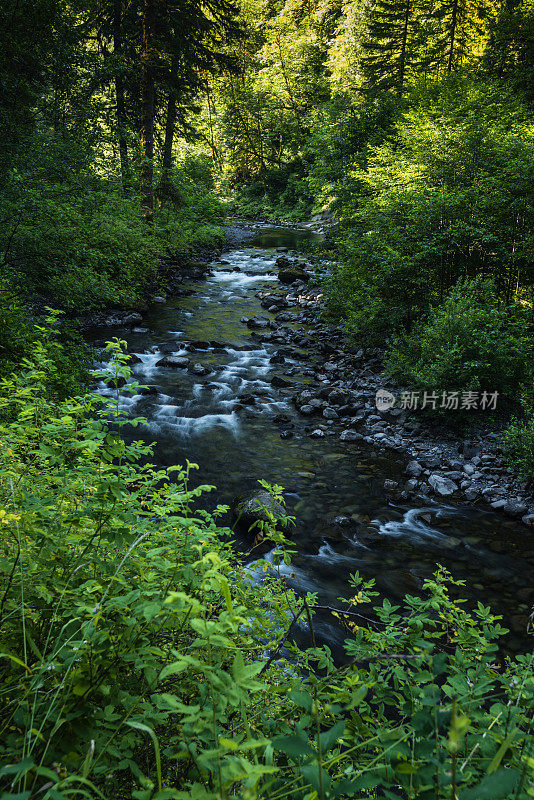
471 342
518 438
68 356
14 334
278 193
140 658
447 195
78 241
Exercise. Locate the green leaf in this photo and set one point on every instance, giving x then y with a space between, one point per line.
139 726
313 776
496 786
293 746
330 737
301 699
499 755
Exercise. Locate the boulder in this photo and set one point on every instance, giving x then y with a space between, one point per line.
330 413
258 507
178 362
515 508
289 275
257 323
441 485
131 319
199 369
350 436
413 469
279 382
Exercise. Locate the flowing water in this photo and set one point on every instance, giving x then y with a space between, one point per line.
344 521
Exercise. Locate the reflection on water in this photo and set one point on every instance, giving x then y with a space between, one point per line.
223 421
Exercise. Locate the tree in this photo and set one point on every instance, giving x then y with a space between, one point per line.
389 49
148 56
119 92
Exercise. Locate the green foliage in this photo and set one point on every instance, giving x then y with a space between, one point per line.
67 356
77 240
140 658
276 194
470 342
449 196
518 439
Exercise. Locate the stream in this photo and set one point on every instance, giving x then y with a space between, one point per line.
344 521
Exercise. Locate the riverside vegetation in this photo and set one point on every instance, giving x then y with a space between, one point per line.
139 655
142 659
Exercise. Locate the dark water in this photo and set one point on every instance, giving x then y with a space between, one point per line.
193 418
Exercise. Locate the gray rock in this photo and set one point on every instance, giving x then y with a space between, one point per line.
259 507
528 519
257 323
498 504
307 410
350 436
515 508
391 486
179 362
338 396
441 485
414 469
158 299
330 413
280 382
317 434
130 319
472 493
199 369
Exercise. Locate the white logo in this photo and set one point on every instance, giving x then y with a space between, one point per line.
384 400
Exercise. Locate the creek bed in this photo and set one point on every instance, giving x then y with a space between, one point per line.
345 522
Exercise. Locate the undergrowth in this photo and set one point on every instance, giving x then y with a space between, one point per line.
140 657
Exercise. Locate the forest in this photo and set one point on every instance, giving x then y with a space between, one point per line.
142 653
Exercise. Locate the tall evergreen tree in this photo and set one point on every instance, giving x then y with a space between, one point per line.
388 52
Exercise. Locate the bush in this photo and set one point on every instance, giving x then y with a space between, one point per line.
140 658
471 342
67 354
447 196
73 237
518 439
278 193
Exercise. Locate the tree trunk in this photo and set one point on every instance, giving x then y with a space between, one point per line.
402 65
170 123
147 110
453 34
119 93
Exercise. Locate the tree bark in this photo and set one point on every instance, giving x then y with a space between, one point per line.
170 123
453 35
147 110
402 66
119 93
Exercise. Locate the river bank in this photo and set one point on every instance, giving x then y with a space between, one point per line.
442 463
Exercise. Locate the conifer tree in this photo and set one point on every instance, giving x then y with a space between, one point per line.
389 48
